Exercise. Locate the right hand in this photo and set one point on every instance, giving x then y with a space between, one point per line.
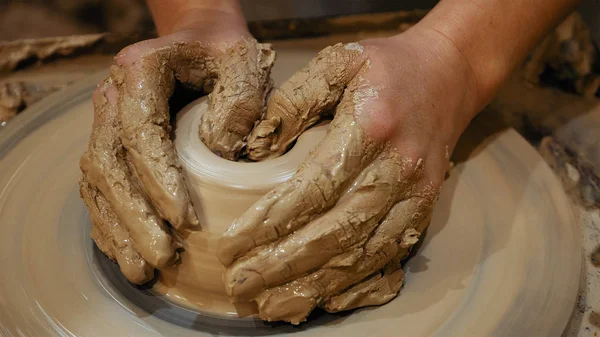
132 181
334 234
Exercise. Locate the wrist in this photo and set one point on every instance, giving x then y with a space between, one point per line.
213 25
489 70
445 65
220 19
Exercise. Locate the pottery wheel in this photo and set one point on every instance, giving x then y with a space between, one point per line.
501 257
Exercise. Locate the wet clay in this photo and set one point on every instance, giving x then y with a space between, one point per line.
221 190
334 234
492 239
130 169
335 230
196 282
295 107
139 239
326 226
13 53
11 99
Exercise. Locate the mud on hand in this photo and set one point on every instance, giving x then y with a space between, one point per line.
333 235
132 181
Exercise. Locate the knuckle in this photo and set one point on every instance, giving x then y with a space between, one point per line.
125 57
130 54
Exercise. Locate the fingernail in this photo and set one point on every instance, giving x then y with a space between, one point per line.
293 308
244 285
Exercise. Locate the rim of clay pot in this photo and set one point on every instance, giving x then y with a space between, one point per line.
210 168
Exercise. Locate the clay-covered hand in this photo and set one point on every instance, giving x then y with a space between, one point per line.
333 235
132 181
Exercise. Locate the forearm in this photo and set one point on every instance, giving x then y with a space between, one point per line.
175 15
494 36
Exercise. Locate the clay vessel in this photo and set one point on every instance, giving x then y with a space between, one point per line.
221 190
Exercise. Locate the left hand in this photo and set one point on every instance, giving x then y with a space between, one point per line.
131 176
333 235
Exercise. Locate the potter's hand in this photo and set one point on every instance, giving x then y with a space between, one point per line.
334 234
132 180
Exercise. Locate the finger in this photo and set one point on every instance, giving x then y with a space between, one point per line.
104 168
317 185
378 289
300 101
381 287
335 238
295 300
112 239
145 78
238 97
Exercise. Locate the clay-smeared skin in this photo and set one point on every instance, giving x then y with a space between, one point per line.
238 98
343 230
241 75
301 101
308 193
333 236
132 179
112 239
104 168
372 277
378 289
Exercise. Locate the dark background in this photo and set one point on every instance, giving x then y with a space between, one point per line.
44 18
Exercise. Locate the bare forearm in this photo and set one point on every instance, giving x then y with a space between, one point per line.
495 36
174 15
